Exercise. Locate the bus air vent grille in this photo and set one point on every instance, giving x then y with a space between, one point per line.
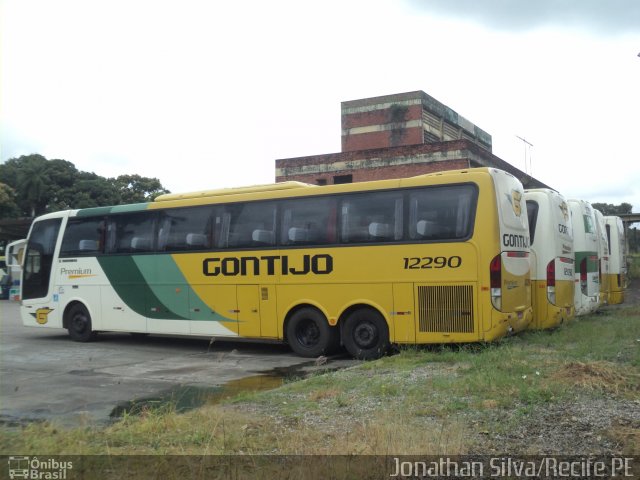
446 309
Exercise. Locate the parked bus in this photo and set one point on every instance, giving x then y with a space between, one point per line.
603 256
430 259
552 258
11 283
585 246
618 259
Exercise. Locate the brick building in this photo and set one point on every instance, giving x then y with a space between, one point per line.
396 136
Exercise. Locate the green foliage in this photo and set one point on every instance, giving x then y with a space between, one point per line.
137 189
610 209
32 185
8 205
634 266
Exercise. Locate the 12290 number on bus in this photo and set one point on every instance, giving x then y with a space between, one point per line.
411 263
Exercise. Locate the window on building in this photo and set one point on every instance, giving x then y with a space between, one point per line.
338 179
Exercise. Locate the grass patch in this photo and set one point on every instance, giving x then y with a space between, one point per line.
436 400
603 376
634 265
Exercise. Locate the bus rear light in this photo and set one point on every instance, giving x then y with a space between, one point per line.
551 273
583 276
495 277
551 281
518 254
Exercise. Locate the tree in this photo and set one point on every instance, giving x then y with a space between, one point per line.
8 206
34 185
610 209
137 189
88 190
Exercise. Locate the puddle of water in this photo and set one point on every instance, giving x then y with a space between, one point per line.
188 397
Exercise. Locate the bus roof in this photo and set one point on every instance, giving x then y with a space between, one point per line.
233 191
279 190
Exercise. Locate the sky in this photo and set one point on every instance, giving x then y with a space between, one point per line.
207 94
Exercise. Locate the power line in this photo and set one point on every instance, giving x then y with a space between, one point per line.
528 169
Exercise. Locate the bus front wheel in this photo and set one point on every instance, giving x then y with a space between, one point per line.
309 334
365 334
79 324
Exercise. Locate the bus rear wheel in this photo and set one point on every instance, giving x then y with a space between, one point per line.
365 334
79 324
310 335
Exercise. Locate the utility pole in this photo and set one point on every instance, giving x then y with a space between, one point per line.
527 149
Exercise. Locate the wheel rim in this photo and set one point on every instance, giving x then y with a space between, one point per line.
365 335
308 333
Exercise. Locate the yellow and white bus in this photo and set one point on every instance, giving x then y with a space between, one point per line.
603 255
430 259
585 246
552 258
618 259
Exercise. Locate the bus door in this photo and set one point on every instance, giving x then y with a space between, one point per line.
124 297
214 310
224 310
248 310
257 315
403 327
37 298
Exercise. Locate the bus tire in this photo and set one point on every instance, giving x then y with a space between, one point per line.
310 335
365 334
79 324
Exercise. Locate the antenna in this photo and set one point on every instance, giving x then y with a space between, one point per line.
527 149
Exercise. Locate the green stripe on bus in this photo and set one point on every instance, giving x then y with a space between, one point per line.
592 260
94 212
170 286
100 211
134 207
132 286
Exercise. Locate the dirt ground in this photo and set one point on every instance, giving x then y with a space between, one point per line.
593 425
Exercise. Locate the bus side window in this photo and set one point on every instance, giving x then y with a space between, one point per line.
131 233
371 217
83 236
252 224
185 229
307 221
441 213
532 215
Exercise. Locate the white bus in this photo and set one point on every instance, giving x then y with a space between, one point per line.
552 258
603 255
585 246
618 259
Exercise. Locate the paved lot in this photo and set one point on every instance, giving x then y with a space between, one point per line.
45 375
